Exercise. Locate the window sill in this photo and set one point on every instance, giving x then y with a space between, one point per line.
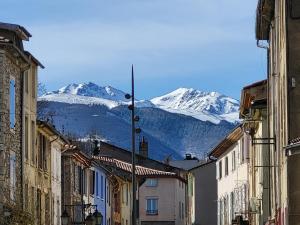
151 213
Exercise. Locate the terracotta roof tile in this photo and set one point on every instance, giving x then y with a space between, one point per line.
140 170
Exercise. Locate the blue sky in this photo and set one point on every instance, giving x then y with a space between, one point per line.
207 45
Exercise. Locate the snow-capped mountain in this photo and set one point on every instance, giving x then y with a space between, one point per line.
183 121
92 90
92 94
205 106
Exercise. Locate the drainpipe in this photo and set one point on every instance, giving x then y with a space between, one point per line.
268 123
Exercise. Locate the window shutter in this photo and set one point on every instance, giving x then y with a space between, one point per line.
12 103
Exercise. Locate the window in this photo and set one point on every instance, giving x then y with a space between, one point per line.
38 206
43 152
233 161
97 184
92 182
179 210
78 213
232 205
33 86
12 167
47 206
127 194
220 169
182 210
33 142
12 103
107 193
225 210
76 177
151 182
32 200
226 166
26 78
242 151
84 181
26 138
152 206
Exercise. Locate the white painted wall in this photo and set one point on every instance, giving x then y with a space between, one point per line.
56 182
235 183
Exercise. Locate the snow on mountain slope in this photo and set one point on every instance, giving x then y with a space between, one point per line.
92 94
84 109
77 99
205 106
92 90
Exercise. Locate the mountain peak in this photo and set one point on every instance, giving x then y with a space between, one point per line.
91 89
211 106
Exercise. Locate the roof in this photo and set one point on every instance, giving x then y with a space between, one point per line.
73 151
227 142
37 62
256 92
256 84
202 165
140 159
295 141
19 30
264 15
52 129
185 164
140 170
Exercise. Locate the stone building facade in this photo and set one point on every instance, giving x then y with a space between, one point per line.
75 167
13 63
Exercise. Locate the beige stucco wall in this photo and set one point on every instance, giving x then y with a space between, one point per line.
169 194
30 170
126 208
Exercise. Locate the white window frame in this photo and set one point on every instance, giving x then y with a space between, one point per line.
153 210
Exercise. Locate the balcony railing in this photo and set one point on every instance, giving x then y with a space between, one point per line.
152 212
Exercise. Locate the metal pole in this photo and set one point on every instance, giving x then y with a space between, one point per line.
133 151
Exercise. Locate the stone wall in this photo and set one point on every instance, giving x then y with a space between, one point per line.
10 139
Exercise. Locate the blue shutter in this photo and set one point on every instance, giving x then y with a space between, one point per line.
101 186
12 102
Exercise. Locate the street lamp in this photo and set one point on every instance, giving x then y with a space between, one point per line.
95 218
98 217
65 218
134 130
90 220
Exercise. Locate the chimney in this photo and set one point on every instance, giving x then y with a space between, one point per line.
188 156
144 147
